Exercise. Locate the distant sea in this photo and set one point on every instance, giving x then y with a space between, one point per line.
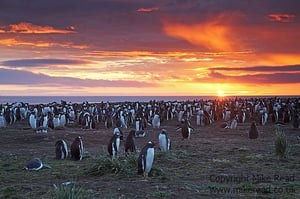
98 99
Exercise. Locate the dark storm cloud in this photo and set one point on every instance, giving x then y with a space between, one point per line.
17 77
43 62
260 68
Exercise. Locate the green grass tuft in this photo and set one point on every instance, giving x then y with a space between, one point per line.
69 192
9 193
121 166
281 144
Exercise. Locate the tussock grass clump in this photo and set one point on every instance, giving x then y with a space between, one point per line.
121 166
71 192
173 154
281 144
9 192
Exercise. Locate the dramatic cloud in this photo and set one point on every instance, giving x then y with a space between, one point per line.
16 77
139 43
281 17
259 68
40 44
214 34
43 62
268 79
29 28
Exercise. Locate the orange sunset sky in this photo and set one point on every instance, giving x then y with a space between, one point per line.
149 47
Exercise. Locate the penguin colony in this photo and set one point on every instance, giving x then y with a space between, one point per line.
143 116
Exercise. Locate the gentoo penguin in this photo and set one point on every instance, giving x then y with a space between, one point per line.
232 124
164 141
185 129
253 132
114 143
77 149
32 120
138 125
156 121
296 121
140 134
130 142
61 149
2 121
36 164
56 121
146 158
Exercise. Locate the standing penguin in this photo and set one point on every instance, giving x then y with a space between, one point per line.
253 132
130 142
164 141
33 120
61 150
77 149
296 121
114 143
185 128
2 121
146 158
156 121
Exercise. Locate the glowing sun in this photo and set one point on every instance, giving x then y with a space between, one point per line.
220 93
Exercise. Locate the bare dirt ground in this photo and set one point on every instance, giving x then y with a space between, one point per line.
214 163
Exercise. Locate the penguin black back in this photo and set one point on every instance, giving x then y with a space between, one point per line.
130 142
61 149
114 143
77 149
253 132
145 159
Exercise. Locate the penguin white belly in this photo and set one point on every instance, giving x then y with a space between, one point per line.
198 120
113 151
45 122
149 160
233 124
162 142
81 149
2 121
137 125
118 144
62 120
56 122
32 121
156 121
123 122
189 132
65 149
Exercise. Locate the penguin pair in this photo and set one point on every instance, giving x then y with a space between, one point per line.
146 158
61 150
77 149
114 143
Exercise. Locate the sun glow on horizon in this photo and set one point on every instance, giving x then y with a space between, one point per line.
220 93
